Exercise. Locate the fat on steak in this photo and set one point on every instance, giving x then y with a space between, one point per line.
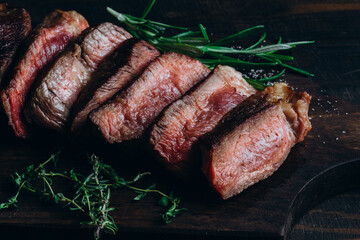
129 114
175 135
252 141
45 43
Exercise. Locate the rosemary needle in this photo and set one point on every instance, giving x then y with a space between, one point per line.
198 45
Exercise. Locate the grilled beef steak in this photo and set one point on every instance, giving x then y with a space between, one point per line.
47 41
15 25
253 140
50 103
175 135
166 79
116 72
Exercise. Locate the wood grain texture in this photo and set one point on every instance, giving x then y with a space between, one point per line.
335 218
260 211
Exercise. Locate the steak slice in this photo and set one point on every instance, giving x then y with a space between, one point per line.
47 41
127 63
175 135
127 116
253 140
50 103
15 25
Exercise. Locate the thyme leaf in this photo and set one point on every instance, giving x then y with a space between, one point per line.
92 193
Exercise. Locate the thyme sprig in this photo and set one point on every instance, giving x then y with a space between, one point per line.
92 192
197 44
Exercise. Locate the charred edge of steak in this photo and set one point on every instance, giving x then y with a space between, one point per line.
253 105
175 135
294 104
46 42
15 26
46 106
114 74
52 100
101 41
106 69
254 139
128 115
250 153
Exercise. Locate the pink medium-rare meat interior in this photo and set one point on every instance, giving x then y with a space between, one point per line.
175 134
251 154
46 42
166 79
101 41
114 74
254 139
50 103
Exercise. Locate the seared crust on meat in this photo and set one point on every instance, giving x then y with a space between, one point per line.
114 74
166 79
174 136
46 42
50 104
253 140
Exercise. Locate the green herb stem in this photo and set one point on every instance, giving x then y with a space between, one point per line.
198 44
147 190
92 192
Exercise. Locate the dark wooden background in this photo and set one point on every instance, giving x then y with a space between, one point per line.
335 61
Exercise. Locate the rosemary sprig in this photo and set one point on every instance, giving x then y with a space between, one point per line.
92 192
198 45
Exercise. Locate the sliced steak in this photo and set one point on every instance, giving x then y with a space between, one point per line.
15 25
175 134
116 72
47 41
253 140
166 79
50 103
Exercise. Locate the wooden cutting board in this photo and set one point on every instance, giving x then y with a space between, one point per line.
260 210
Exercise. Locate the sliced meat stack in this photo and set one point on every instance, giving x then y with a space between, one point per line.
50 103
47 41
253 140
70 73
15 25
129 114
174 137
114 74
